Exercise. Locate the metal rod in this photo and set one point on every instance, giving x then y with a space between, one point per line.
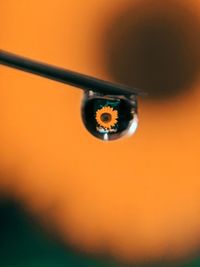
65 76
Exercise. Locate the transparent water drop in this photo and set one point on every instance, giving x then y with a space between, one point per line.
109 117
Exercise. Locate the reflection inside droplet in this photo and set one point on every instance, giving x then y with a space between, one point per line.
109 117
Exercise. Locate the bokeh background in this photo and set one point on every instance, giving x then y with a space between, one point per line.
67 199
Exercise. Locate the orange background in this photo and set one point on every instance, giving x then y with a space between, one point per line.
133 198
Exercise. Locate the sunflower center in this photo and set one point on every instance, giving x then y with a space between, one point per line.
106 117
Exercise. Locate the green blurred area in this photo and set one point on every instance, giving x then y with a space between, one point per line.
23 244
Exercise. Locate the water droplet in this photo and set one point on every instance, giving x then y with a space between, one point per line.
109 117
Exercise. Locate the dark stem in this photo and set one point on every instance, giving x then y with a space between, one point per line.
65 76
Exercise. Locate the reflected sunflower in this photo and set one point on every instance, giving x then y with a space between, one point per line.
106 117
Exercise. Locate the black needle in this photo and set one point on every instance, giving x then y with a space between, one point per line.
65 76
